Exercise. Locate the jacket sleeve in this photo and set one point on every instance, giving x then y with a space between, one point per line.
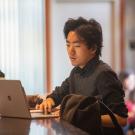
110 87
59 92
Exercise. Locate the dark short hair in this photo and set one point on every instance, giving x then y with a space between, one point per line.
2 74
88 30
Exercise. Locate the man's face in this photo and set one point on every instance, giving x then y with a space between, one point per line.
78 52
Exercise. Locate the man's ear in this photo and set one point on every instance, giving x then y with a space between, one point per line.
93 50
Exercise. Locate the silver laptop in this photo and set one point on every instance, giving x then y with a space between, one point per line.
13 101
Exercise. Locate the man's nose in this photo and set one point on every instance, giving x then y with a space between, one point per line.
71 50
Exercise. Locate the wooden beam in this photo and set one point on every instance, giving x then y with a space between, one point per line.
113 33
48 44
122 33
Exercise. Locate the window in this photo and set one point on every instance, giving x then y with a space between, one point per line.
22 52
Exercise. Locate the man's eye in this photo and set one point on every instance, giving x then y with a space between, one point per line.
76 44
67 45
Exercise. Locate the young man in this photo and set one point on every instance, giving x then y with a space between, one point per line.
90 76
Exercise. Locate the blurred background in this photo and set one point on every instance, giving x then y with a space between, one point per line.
32 45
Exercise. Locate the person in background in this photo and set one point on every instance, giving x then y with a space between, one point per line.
127 78
2 75
90 75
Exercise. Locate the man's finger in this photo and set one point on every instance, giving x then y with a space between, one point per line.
37 106
49 107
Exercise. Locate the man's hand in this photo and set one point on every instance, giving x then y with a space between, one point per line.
46 105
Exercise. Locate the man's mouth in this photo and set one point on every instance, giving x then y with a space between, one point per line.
72 58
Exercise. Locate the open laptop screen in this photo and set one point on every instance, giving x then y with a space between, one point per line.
13 102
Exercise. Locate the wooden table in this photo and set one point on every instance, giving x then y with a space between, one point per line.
50 126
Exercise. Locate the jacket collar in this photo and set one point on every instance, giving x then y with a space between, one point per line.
89 67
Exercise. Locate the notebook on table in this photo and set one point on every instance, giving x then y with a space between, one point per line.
13 102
